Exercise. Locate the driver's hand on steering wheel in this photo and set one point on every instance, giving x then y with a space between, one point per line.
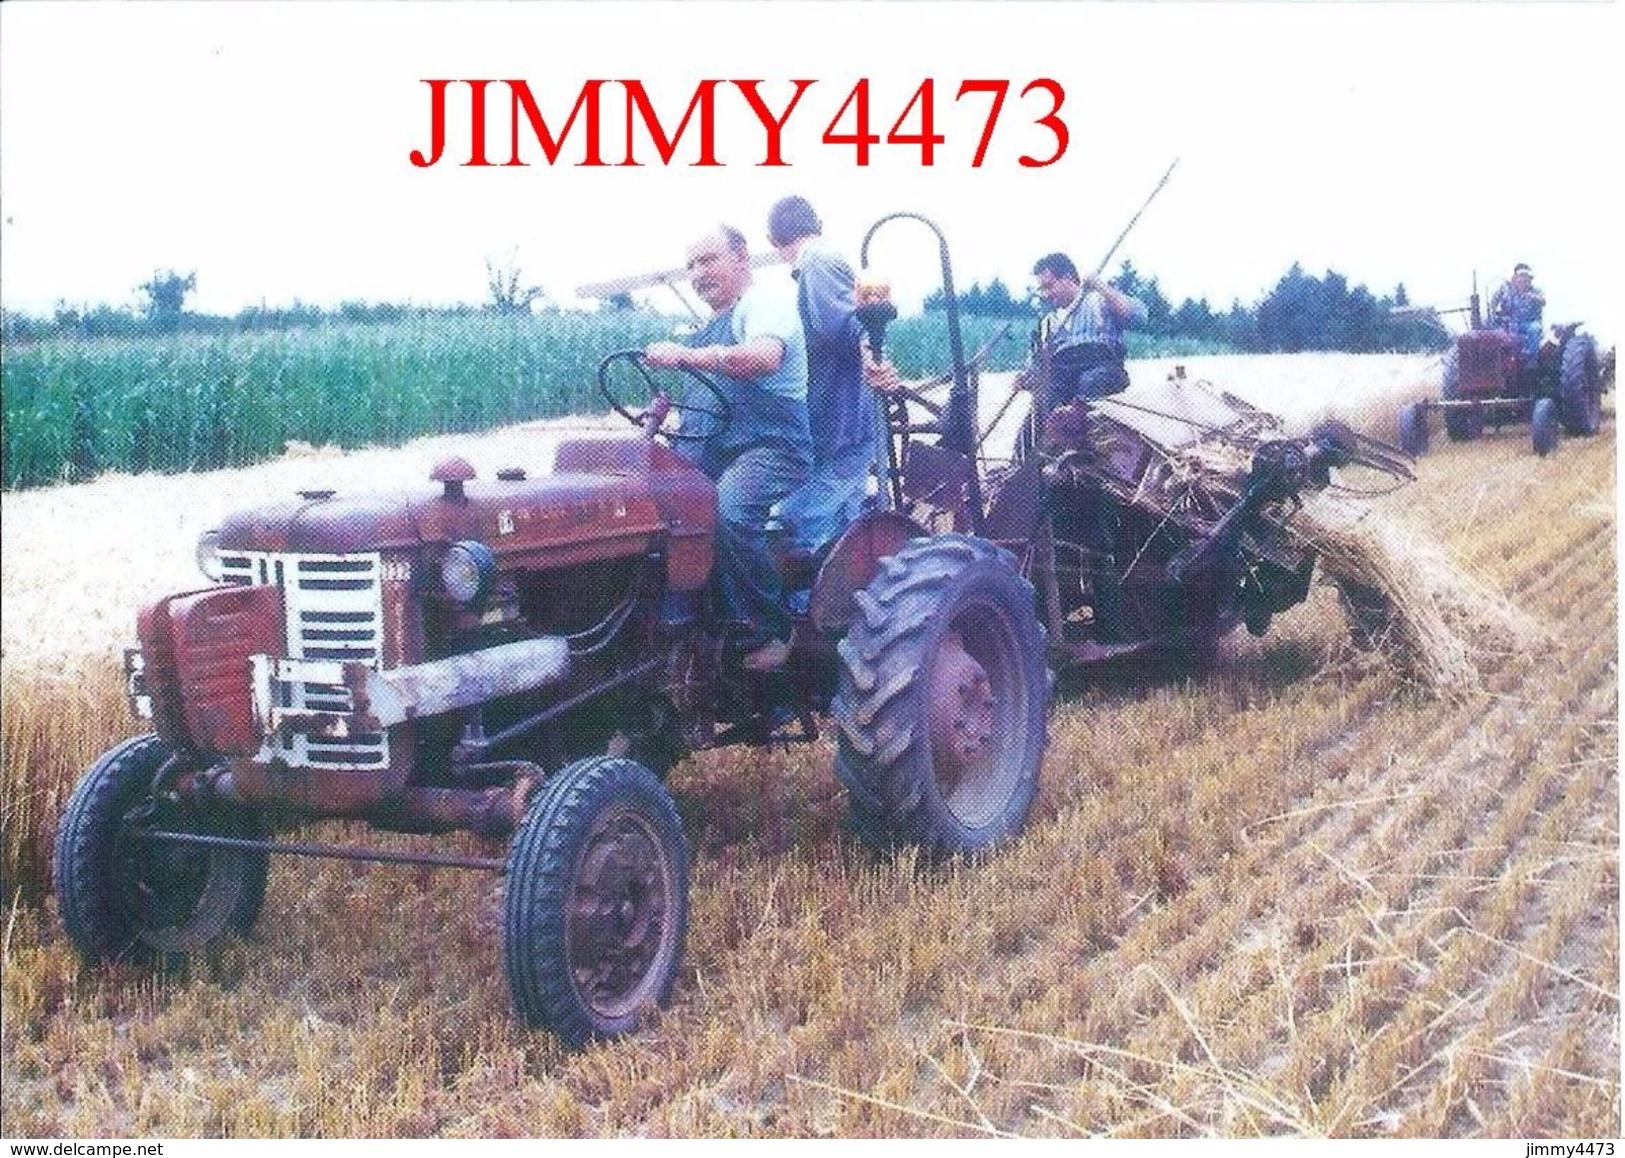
666 355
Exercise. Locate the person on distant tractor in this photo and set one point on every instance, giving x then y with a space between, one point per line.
1083 332
1516 308
841 408
753 349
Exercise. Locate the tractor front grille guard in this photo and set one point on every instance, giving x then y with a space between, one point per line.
335 614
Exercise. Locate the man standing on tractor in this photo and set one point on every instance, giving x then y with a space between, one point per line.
754 350
1084 330
1516 308
840 407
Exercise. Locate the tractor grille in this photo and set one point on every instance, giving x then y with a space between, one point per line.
335 611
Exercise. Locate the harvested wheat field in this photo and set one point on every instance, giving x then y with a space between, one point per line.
1294 892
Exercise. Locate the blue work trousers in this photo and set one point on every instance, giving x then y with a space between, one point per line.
747 489
830 499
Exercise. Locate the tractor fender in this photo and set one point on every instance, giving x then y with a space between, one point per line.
854 561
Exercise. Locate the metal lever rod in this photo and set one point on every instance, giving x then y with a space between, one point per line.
959 425
329 851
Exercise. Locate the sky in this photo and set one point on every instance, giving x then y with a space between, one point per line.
266 146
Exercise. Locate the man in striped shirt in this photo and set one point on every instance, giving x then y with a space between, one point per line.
1084 330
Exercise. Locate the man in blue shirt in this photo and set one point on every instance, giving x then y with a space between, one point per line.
841 409
1516 307
753 349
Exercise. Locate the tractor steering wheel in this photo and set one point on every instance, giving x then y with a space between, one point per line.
698 420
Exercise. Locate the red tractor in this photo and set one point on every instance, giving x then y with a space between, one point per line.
525 656
1490 378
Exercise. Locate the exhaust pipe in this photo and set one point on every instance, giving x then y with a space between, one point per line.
459 681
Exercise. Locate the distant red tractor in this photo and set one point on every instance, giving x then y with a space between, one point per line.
1488 379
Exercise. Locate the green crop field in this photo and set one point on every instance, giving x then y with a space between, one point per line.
74 409
77 408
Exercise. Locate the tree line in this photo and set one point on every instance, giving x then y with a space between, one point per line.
1301 312
163 311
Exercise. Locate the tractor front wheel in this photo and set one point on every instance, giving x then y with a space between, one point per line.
942 698
1413 429
597 901
1543 426
126 896
1579 386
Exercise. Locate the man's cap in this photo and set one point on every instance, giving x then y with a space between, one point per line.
1522 268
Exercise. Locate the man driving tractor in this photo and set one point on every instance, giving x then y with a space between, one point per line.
1516 307
753 348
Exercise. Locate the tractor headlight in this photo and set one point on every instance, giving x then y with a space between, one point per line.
208 556
465 576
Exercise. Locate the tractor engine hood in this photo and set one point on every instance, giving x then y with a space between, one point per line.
550 520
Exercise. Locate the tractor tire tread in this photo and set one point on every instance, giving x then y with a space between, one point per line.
878 727
1579 380
84 891
541 861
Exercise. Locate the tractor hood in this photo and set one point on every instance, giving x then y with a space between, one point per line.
514 513
609 501
520 514
322 523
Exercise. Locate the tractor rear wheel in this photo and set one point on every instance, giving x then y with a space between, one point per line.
1543 426
1413 429
1579 385
597 901
942 699
1461 423
124 897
